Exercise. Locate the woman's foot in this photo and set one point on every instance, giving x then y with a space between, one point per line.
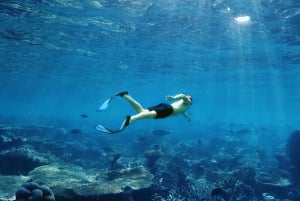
127 121
122 93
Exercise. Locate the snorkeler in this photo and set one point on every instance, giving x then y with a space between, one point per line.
162 110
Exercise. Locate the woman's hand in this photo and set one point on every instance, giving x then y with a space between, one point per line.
169 98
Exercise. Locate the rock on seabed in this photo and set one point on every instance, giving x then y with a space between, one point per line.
72 182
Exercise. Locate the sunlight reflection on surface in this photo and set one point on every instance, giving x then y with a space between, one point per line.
242 20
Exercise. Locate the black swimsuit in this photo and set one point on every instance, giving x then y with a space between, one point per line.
163 110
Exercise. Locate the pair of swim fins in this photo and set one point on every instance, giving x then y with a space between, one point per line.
104 106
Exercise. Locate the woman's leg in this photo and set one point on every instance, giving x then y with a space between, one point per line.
142 115
145 114
141 112
136 105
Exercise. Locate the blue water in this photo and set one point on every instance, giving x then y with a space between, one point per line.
62 58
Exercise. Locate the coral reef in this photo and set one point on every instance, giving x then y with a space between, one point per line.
24 160
219 194
9 185
273 183
8 141
152 156
114 164
31 191
90 167
293 148
75 182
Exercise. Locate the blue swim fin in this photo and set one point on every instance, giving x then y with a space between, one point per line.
105 104
125 123
107 130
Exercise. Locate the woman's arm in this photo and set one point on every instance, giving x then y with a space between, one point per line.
176 97
187 116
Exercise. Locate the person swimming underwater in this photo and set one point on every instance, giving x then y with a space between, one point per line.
162 110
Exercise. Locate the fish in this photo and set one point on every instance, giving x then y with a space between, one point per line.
161 132
75 131
243 131
84 116
140 139
156 147
108 149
